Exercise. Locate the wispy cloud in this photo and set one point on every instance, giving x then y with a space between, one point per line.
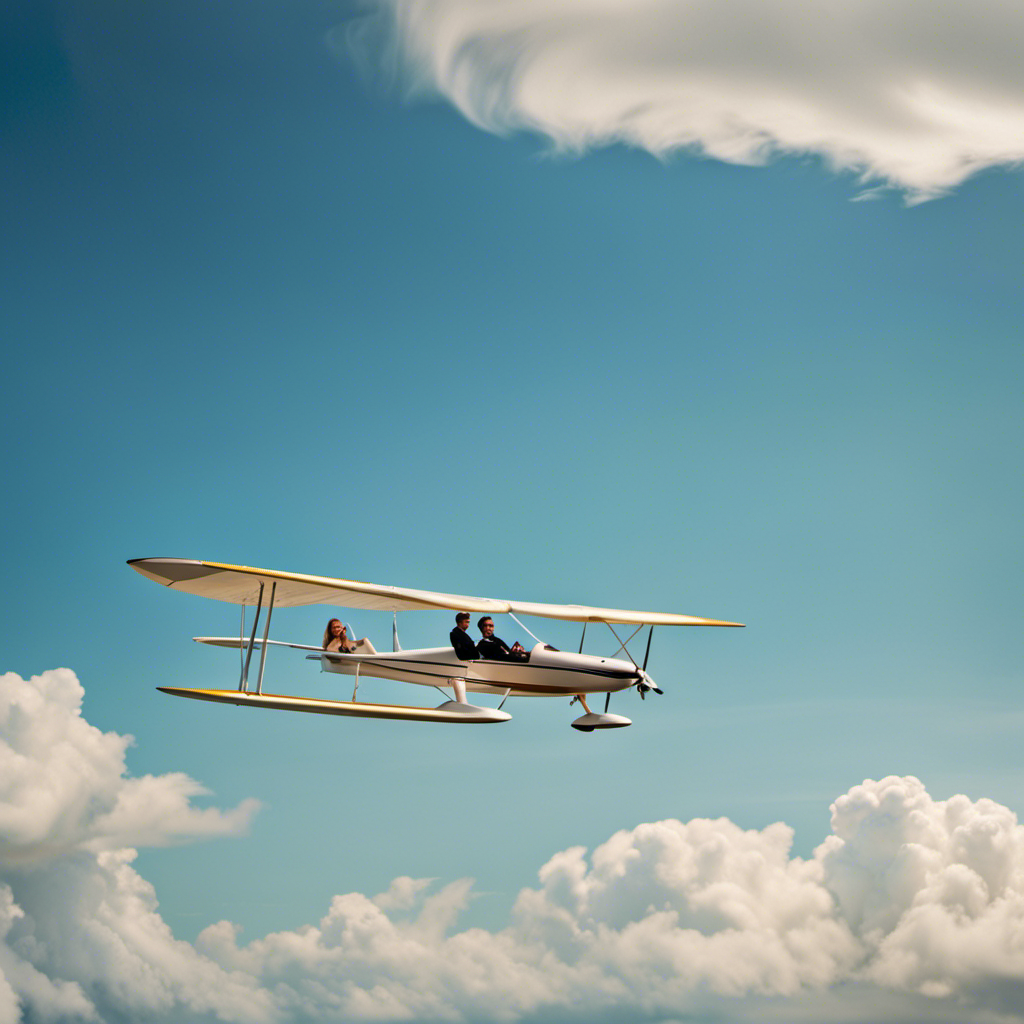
911 910
914 96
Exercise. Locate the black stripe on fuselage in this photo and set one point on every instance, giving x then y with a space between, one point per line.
436 679
611 673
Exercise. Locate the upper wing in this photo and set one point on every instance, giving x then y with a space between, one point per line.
583 613
240 584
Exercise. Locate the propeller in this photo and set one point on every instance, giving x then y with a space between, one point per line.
645 683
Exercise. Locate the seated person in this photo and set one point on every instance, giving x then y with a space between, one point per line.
493 647
461 640
336 639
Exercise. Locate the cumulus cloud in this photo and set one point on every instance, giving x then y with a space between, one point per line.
64 783
911 910
911 95
80 934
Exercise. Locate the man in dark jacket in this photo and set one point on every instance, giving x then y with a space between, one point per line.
461 640
493 647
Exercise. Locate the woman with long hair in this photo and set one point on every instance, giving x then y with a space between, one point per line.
336 639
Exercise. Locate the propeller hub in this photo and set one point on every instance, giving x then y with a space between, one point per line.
645 683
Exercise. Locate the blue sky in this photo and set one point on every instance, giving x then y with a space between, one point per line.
261 310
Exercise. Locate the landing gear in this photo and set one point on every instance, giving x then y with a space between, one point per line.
590 721
471 712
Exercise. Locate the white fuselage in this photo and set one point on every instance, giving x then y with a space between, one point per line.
548 673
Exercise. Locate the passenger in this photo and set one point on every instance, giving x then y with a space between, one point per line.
465 649
461 640
493 647
336 639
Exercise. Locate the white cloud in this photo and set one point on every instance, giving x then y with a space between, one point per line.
64 787
912 910
915 95
82 938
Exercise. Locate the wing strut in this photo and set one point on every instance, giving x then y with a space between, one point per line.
266 633
622 643
537 638
244 681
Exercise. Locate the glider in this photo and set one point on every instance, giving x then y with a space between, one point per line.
543 671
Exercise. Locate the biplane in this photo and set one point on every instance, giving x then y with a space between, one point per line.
543 670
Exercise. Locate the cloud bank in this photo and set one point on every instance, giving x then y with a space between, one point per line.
918 96
911 910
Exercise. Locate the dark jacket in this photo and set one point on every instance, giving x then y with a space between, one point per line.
496 649
463 644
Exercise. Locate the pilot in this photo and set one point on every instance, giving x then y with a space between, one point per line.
493 647
461 640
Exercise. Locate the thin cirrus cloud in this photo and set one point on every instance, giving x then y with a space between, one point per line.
914 96
911 910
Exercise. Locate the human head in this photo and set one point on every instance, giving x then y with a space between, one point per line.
462 620
335 628
483 623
